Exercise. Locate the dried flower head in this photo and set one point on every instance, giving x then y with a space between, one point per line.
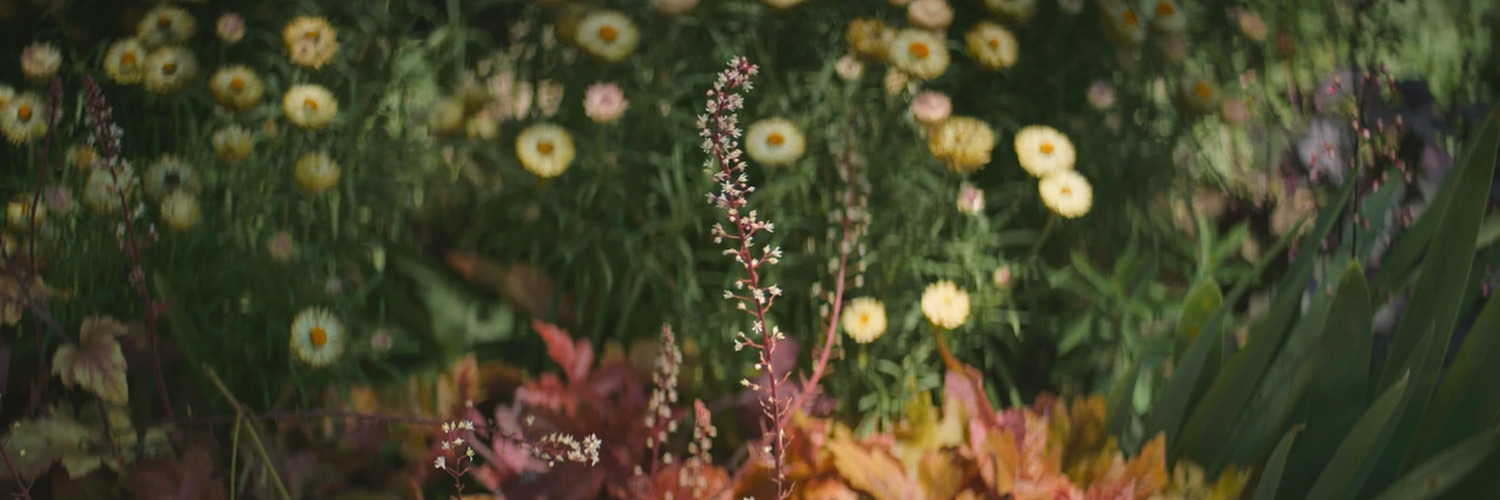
40 61
316 172
179 210
933 15
170 69
963 144
236 87
230 28
992 46
1066 193
864 320
931 108
775 141
165 24
607 35
945 305
545 150
169 174
919 53
310 41
125 62
233 143
1043 150
309 106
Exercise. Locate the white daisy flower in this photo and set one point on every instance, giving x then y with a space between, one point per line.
24 118
775 141
101 192
318 337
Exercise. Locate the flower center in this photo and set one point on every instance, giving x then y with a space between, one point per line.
173 180
237 83
1202 90
1046 148
127 59
1130 19
310 104
1165 9
775 139
1066 191
312 35
994 43
24 112
169 69
163 22
919 50
864 319
544 147
608 33
318 336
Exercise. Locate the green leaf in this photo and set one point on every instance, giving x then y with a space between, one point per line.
1422 339
1440 472
1352 462
1230 392
1337 392
1118 405
1168 412
1465 402
1270 477
1201 303
1488 233
1435 300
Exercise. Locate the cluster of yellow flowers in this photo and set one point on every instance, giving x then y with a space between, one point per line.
1048 155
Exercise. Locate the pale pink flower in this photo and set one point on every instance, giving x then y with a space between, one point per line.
1174 48
549 97
1002 277
930 14
231 28
931 107
604 103
40 61
674 7
1252 26
1101 95
849 68
970 200
1233 111
281 246
381 341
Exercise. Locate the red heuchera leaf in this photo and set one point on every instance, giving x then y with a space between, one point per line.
96 363
548 392
575 358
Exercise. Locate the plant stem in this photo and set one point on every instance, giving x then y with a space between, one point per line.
254 436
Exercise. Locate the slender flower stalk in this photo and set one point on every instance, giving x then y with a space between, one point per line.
720 131
107 138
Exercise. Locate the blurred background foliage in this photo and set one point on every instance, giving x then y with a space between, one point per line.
442 243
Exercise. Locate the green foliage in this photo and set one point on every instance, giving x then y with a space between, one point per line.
1307 366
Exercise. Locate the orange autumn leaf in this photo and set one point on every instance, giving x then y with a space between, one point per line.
1149 468
871 471
96 363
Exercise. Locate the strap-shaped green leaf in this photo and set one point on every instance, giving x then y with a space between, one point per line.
1270 477
1350 466
1442 471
